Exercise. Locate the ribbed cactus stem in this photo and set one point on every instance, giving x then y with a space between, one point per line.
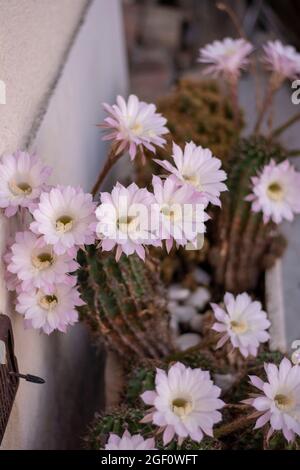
243 245
124 304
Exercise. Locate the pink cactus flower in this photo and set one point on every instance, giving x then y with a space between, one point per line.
134 125
282 60
124 217
227 57
180 211
129 442
275 192
50 309
36 264
185 403
22 179
65 218
243 322
197 167
279 402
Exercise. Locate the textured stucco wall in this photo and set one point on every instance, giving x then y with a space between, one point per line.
34 36
54 415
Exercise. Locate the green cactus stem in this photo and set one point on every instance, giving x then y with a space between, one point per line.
125 304
242 245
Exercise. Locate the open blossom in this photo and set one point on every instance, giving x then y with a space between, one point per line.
65 219
226 57
281 59
276 192
180 211
12 282
243 322
22 178
134 125
197 167
279 402
129 442
125 220
185 403
36 264
50 309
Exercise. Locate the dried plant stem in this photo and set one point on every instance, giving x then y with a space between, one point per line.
111 160
294 153
273 85
257 83
286 125
233 16
235 425
233 91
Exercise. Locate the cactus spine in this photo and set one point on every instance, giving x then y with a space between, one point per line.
243 246
124 304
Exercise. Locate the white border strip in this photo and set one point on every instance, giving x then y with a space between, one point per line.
275 307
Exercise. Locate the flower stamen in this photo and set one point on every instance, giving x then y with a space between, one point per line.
64 224
275 191
48 302
43 260
126 223
20 189
181 407
239 327
283 402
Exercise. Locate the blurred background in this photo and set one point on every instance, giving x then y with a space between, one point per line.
163 37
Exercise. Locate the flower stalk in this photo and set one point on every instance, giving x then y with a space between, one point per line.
111 160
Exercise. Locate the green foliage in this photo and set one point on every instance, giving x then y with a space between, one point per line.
128 418
142 378
235 431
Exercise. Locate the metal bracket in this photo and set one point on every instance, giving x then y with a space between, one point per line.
9 379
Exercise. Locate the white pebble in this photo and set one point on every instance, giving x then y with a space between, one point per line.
176 292
196 322
171 305
224 381
201 276
184 313
199 298
187 341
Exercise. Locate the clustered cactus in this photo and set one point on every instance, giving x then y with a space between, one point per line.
186 389
124 303
242 245
196 110
235 432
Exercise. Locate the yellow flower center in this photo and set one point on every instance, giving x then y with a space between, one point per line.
181 407
126 223
239 327
283 402
137 128
172 212
168 212
275 192
48 302
42 260
193 180
20 189
64 224
231 51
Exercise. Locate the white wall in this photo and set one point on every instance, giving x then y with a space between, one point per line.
53 415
